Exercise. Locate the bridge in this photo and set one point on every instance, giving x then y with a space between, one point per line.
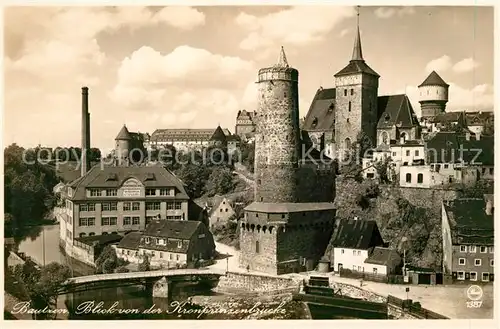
102 281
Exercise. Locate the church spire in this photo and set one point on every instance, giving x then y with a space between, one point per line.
282 62
357 53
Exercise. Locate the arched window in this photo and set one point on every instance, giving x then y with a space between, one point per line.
82 235
257 247
408 178
385 137
404 137
420 178
347 143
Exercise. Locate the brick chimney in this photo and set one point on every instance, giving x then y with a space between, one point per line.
85 163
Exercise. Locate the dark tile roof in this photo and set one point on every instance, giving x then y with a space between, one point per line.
115 176
357 66
434 80
396 110
99 239
245 115
479 118
196 212
448 117
289 207
177 229
447 147
170 135
216 201
123 134
354 234
469 223
130 241
218 135
382 256
321 114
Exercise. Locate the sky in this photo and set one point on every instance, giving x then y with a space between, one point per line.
195 67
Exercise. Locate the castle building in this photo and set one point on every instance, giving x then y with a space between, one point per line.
245 124
183 139
339 116
283 231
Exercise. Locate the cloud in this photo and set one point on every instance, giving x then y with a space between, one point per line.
465 65
282 27
344 32
440 64
480 97
146 76
388 12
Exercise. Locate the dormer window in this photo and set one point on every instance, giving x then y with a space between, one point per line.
111 177
315 121
179 244
387 117
150 176
146 240
331 107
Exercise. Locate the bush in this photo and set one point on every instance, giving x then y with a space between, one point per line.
144 266
362 201
122 269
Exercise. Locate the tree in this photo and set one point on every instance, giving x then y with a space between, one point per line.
144 266
220 181
107 260
122 269
248 155
383 169
194 177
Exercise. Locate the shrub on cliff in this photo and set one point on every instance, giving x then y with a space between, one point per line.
122 269
144 266
108 257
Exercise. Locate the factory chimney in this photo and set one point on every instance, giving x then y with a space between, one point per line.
85 163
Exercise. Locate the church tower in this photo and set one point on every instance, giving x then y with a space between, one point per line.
277 139
355 99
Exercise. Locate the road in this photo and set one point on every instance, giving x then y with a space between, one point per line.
448 300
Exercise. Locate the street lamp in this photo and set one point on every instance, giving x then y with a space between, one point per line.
227 262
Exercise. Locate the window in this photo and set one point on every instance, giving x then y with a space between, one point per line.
220 210
150 191
473 276
69 234
95 192
483 249
163 191
111 192
226 209
179 244
177 217
461 261
463 248
152 206
408 178
347 120
491 263
171 256
477 262
359 253
83 207
108 221
113 206
417 153
135 220
127 220
472 248
349 106
354 267
146 240
354 252
420 178
136 205
126 206
446 166
352 91
491 171
91 234
341 251
461 275
170 205
485 276
105 207
157 240
345 92
490 249
177 257
374 270
393 154
178 205
407 153
257 247
359 268
161 254
86 221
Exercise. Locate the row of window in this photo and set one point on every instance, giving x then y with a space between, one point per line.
473 249
420 178
128 206
354 252
136 253
106 192
162 192
485 276
93 234
477 262
161 242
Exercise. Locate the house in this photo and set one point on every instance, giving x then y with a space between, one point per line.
468 239
183 139
383 261
169 244
352 243
220 212
445 121
246 124
477 121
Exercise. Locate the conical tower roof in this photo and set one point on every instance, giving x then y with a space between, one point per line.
357 53
282 61
434 80
218 134
123 134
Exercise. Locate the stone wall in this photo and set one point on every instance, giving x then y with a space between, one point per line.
254 283
356 292
397 313
316 183
263 260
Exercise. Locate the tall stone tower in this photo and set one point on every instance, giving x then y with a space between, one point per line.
277 140
433 94
355 99
122 146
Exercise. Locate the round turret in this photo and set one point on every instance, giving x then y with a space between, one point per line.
433 95
122 145
277 139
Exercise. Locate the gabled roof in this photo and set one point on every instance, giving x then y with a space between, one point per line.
448 146
216 202
434 80
355 67
244 114
469 223
396 110
218 135
479 118
448 117
130 241
321 114
354 234
177 229
123 134
115 176
382 256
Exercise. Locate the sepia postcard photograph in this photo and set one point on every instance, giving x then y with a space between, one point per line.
248 162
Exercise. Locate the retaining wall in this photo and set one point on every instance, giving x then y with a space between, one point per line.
254 282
